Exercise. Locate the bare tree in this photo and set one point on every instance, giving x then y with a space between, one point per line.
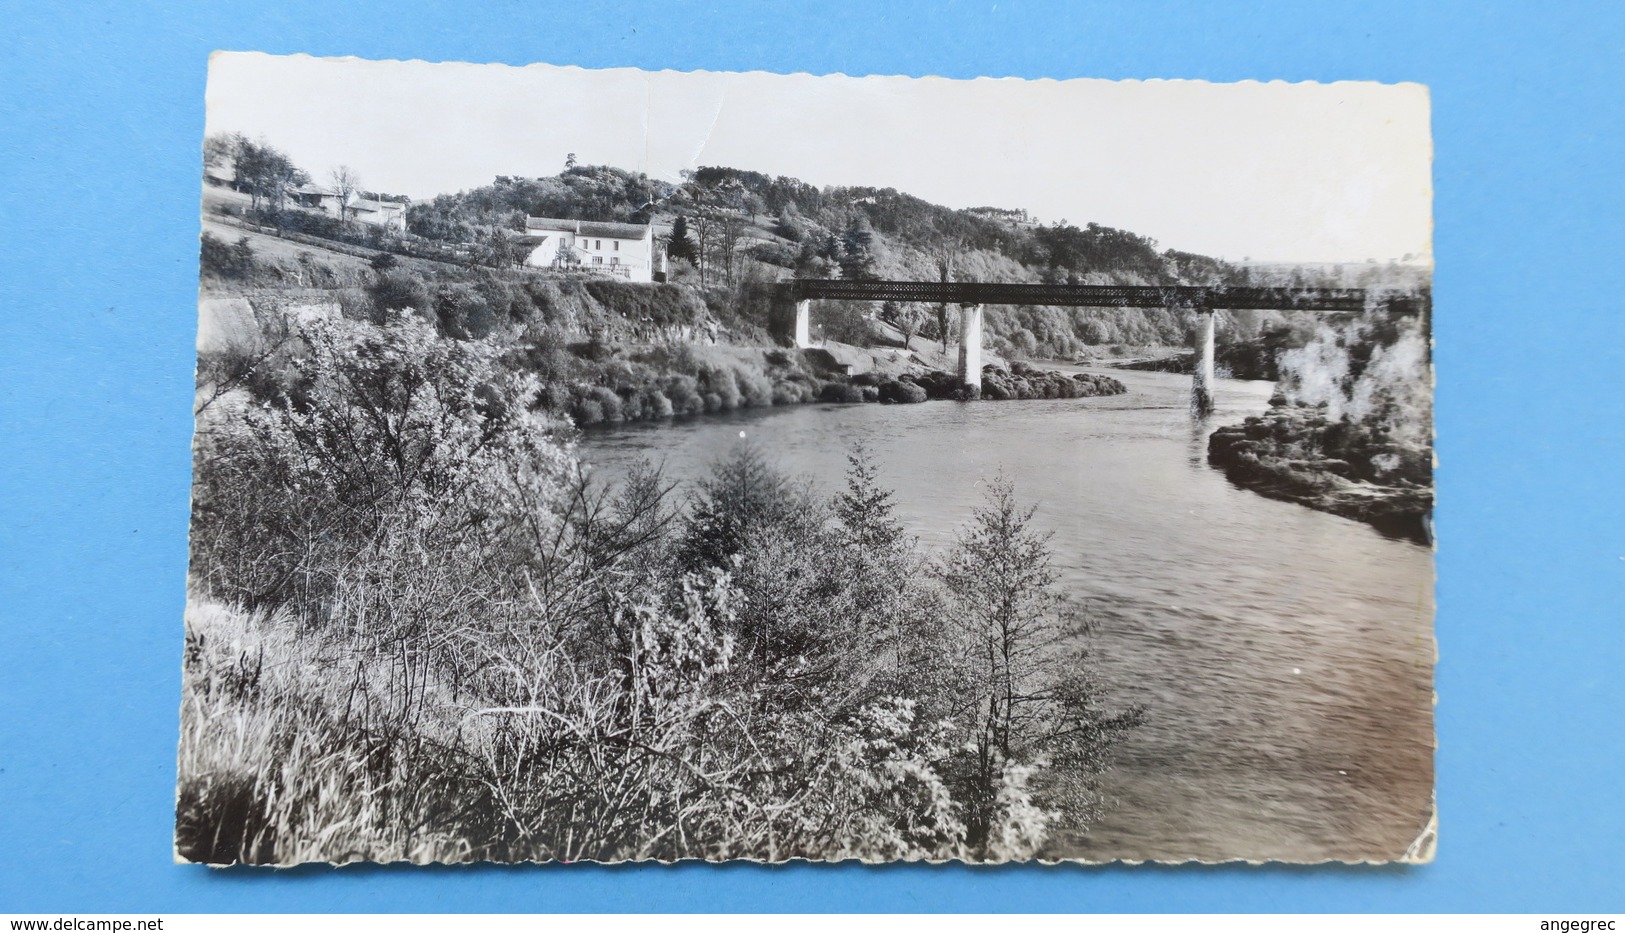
945 274
220 153
347 182
908 317
716 217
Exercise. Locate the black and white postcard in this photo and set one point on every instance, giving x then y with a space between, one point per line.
623 465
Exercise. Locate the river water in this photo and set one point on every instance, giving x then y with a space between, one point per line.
1285 656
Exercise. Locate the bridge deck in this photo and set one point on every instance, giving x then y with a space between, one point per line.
1118 296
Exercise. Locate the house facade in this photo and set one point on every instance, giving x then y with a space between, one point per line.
624 250
391 215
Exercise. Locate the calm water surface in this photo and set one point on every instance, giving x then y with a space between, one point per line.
1285 655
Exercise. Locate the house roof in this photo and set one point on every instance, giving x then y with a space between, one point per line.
362 204
586 228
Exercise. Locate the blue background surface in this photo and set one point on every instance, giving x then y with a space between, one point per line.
101 116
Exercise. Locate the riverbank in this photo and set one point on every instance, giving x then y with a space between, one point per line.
1298 454
617 384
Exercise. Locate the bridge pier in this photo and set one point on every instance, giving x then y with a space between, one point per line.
803 329
1202 374
970 346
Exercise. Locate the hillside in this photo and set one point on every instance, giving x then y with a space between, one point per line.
606 350
728 226
727 230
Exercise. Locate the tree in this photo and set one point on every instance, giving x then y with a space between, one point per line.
502 250
232 262
220 151
716 203
858 249
791 225
866 509
743 494
1036 737
680 246
381 432
945 274
266 173
908 317
347 182
729 229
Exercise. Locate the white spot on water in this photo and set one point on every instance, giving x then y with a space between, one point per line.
1296 671
741 433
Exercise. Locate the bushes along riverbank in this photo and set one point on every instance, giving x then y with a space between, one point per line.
416 631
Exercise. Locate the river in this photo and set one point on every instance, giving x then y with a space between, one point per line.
1285 656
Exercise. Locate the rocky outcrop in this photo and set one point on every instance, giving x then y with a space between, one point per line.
1300 455
900 392
1020 381
1243 361
1023 381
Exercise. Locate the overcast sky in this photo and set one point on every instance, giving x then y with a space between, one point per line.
1291 172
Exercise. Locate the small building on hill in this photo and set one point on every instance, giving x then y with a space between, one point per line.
391 215
1009 216
624 250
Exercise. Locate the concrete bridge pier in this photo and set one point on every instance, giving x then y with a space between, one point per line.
970 346
803 328
1202 374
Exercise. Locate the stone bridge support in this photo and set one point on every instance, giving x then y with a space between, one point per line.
970 346
789 319
1202 373
803 325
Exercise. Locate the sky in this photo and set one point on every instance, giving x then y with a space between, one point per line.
1274 171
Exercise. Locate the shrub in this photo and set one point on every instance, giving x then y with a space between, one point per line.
397 290
463 312
904 392
839 392
684 392
656 404
418 632
382 436
755 388
218 260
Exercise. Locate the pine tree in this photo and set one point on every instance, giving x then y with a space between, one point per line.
866 510
680 245
1037 737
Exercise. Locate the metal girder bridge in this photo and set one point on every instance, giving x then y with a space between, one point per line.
1189 297
796 298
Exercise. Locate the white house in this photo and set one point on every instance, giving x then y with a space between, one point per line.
390 215
624 250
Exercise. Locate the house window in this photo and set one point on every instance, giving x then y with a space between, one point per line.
617 246
597 244
597 260
614 260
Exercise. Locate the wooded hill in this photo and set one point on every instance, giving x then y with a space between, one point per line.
731 227
728 231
